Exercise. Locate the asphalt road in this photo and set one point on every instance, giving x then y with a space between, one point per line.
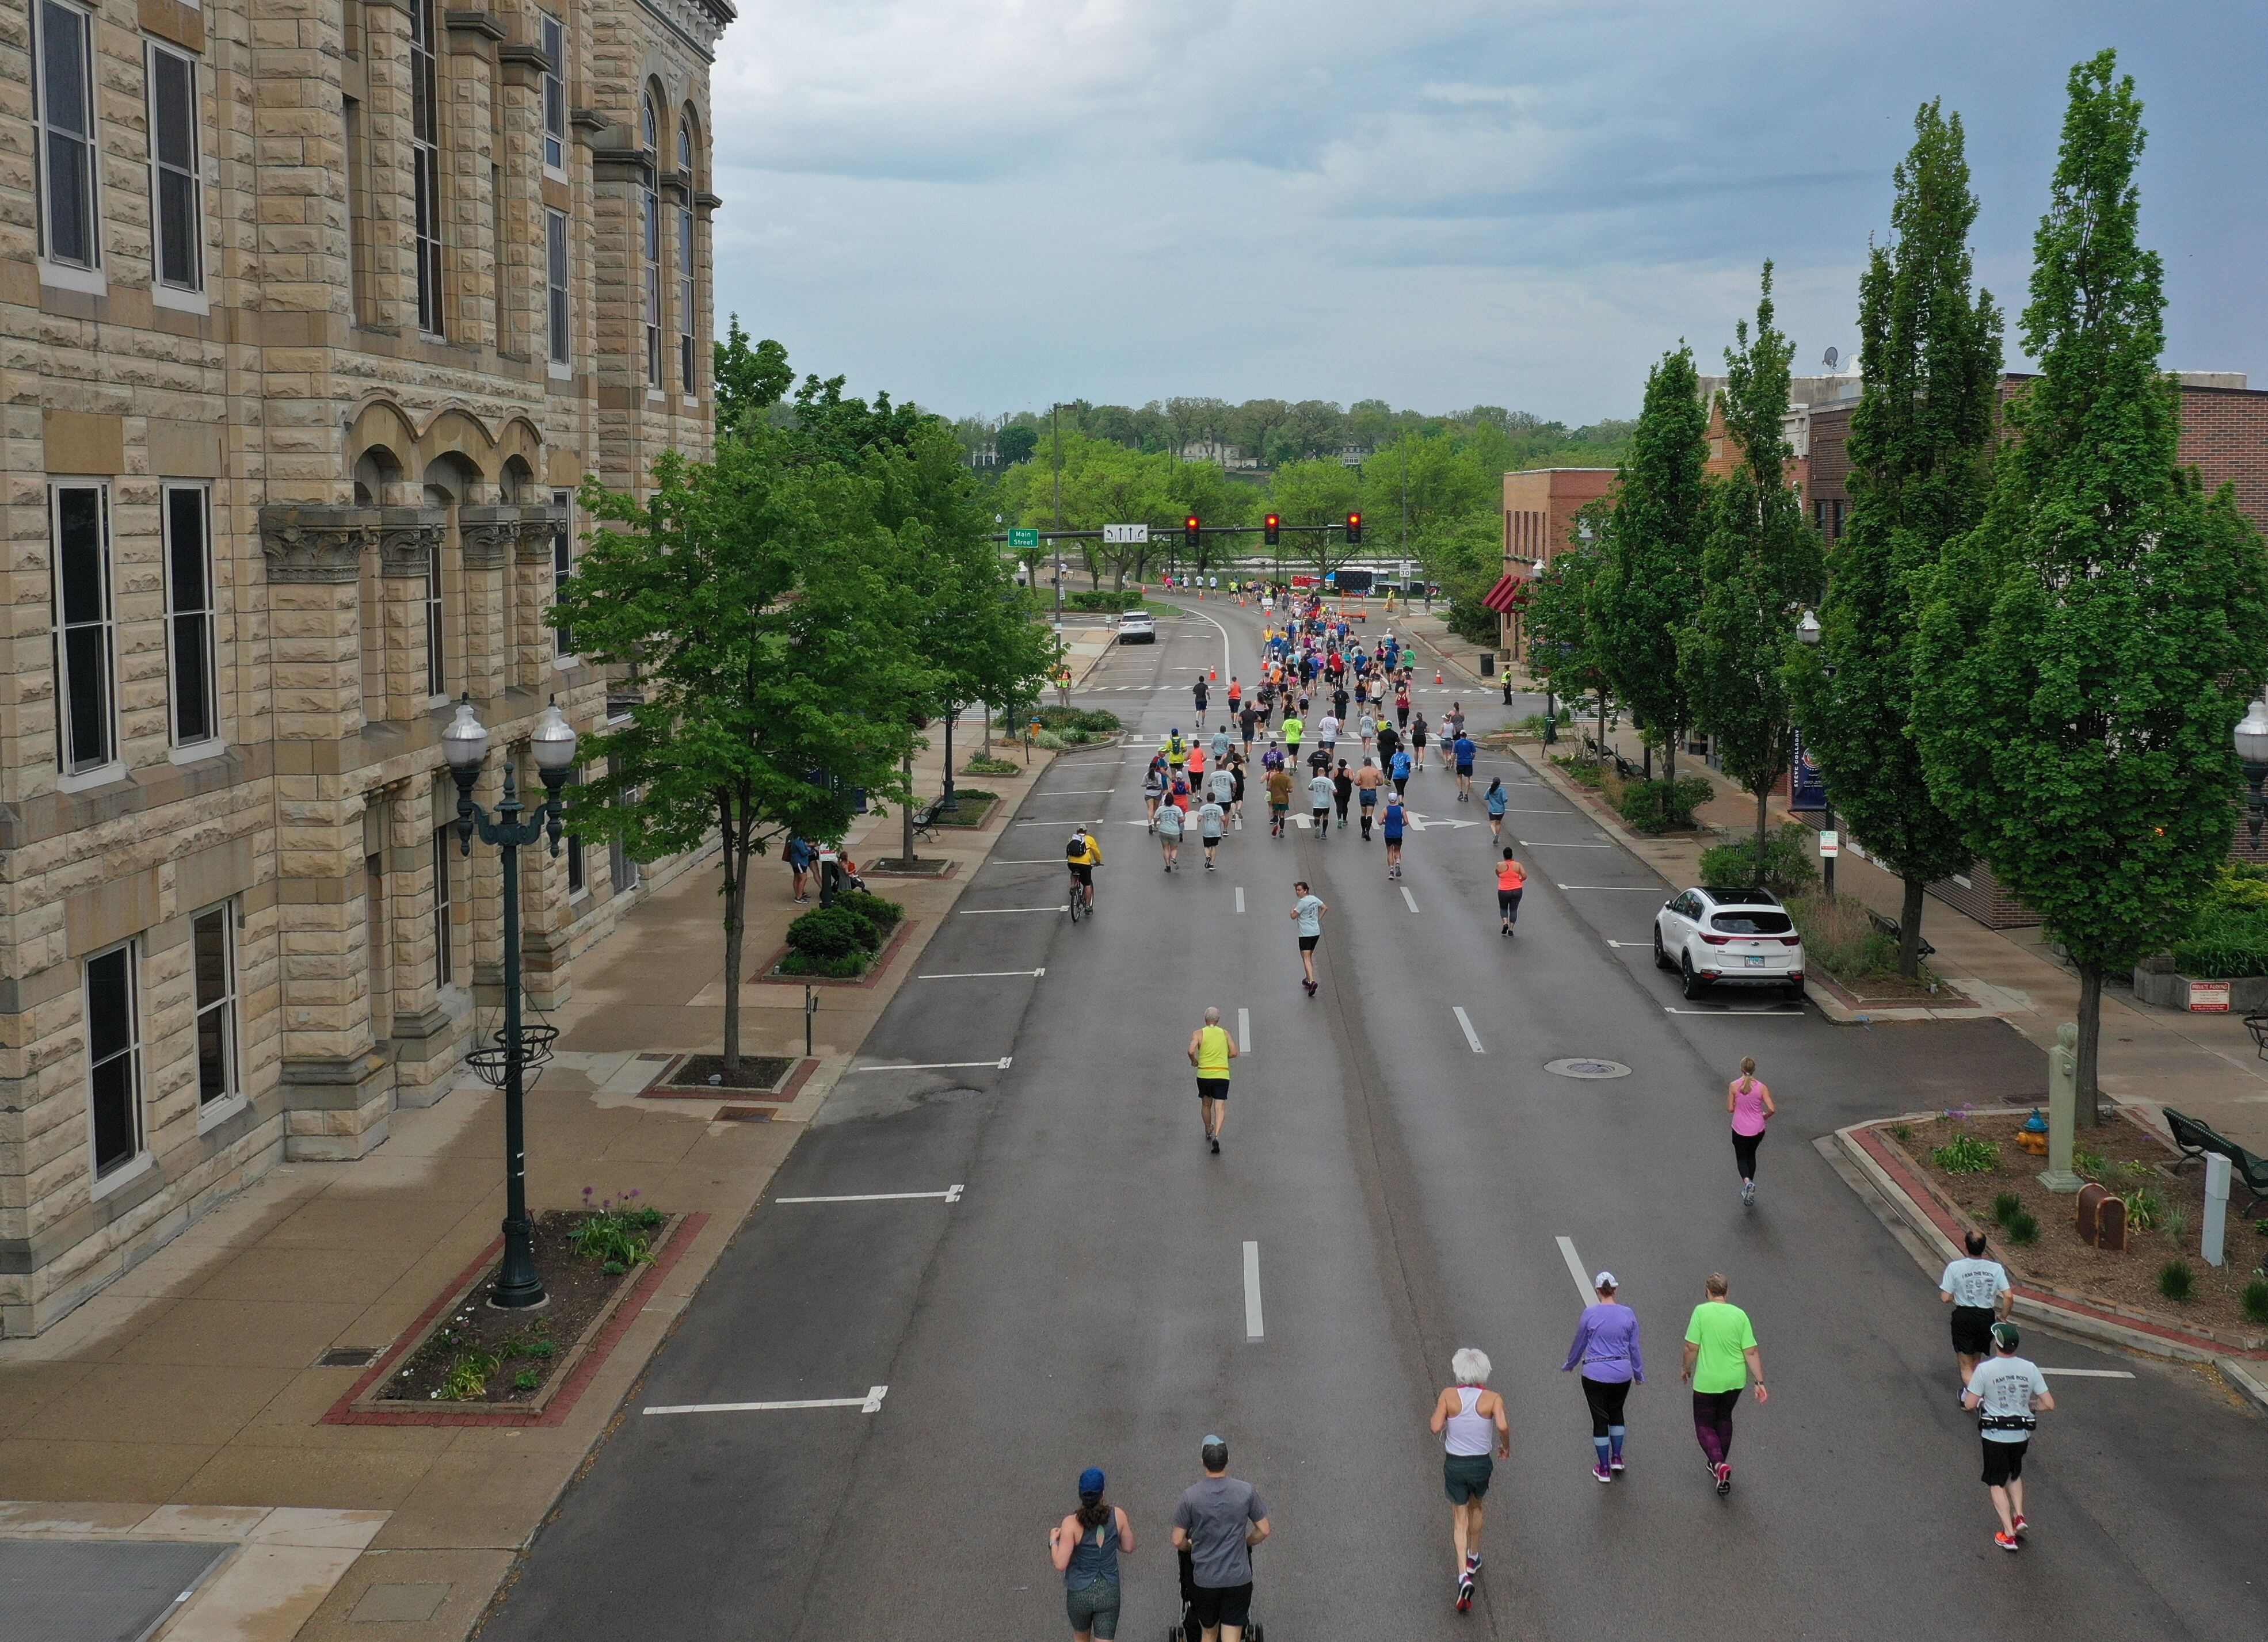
1084 1298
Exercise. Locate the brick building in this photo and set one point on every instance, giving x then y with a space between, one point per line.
316 315
1540 506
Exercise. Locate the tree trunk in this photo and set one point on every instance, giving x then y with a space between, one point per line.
1910 931
908 809
2089 1102
988 732
1763 820
1670 752
736 898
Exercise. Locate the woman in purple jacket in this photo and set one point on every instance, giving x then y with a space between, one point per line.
1606 1346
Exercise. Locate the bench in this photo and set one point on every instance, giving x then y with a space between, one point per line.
925 820
2257 1025
1889 926
1623 768
2197 1139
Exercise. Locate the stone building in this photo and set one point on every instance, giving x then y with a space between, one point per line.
316 315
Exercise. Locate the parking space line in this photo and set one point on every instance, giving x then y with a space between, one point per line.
1001 1064
1240 897
982 975
1252 1329
1471 1036
1244 1032
1745 1014
2090 1373
871 1403
1049 860
1538 843
1407 896
1651 889
978 912
951 1194
1575 1269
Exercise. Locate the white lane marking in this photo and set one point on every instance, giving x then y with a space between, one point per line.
1651 889
1068 820
1244 1032
2090 1373
1575 1269
1226 660
1073 792
1252 1330
978 912
1240 897
1745 1014
982 975
942 1066
1047 860
1407 896
1539 843
871 1403
951 1194
1471 1036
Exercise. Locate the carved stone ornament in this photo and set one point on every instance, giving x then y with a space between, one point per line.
537 526
316 544
407 537
487 533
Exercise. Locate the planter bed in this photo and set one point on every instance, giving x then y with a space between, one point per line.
770 974
2122 1284
763 1077
972 815
920 866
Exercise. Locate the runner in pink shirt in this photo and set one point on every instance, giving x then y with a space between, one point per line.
1751 1105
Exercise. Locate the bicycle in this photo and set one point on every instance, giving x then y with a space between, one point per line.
1078 906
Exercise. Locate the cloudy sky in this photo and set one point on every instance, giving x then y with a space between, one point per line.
989 204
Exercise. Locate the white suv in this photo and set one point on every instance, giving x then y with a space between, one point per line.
1729 938
1137 626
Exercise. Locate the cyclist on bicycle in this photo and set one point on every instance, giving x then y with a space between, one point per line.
1083 854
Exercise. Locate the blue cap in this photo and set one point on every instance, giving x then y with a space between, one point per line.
1091 1480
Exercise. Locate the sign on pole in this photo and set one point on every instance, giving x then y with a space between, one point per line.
1125 535
1831 845
1020 538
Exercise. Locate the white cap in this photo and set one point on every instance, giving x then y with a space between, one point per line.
1605 1280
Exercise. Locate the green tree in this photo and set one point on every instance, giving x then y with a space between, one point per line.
2084 652
1016 445
1564 644
1322 491
749 379
1759 567
1649 582
1920 443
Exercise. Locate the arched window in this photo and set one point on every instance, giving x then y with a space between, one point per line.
652 230
689 361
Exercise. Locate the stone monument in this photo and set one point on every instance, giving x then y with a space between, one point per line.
2063 1109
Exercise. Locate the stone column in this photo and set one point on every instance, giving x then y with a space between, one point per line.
430 1026
393 199
2063 1109
521 250
468 117
408 541
487 535
531 596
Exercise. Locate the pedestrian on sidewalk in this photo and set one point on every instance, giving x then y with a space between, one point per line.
1752 1106
1511 883
1390 828
1720 1356
1469 1419
1309 911
1211 1050
798 856
1606 1349
1279 799
1978 1291
1085 1547
1171 823
1367 781
2009 1393
1217 1524
1498 800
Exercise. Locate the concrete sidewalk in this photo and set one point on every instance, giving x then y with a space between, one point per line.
2204 1065
191 1382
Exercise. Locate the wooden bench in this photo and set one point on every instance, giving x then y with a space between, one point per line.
1889 926
2196 1140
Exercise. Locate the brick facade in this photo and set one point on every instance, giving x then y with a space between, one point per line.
1540 506
250 464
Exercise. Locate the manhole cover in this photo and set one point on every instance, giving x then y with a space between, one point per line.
348 1357
1584 1066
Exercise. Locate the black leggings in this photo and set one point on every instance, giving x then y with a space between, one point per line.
1606 1397
1744 1152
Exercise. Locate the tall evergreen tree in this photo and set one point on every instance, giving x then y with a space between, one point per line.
1759 567
1648 585
1921 435
2084 652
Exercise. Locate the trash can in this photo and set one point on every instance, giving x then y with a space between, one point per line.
1488 664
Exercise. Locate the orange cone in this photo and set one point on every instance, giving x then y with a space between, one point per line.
1213 674
1436 676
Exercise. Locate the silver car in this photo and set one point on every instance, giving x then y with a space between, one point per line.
1137 626
1729 938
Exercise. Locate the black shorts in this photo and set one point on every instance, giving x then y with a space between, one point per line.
1212 1088
1465 1476
1082 872
1307 942
1213 1606
1972 1329
2004 1462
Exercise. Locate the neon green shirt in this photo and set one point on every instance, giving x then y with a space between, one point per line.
1722 1332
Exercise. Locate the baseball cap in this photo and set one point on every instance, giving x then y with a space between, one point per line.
1091 1480
1604 1280
2005 1335
1213 1439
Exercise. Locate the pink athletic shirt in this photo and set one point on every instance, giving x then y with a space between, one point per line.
1748 1106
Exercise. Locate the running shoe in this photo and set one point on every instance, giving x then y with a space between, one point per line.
2021 1524
1724 1474
2006 1542
1216 1145
1748 1194
1465 1593
1614 1464
1472 1562
1602 1474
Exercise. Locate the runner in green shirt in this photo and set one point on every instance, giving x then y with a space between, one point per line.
1720 1356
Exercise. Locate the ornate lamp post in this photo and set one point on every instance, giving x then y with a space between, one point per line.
465 743
1808 634
2251 735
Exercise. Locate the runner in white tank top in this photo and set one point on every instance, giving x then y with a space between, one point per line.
1470 1419
1465 1432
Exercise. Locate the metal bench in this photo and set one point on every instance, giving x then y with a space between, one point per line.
2196 1140
1623 768
2257 1025
1889 926
925 820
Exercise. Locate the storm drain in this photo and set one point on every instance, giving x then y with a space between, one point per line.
97 1590
1584 1066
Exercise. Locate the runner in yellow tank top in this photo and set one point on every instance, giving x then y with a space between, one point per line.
1211 1050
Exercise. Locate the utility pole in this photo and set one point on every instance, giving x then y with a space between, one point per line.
1055 424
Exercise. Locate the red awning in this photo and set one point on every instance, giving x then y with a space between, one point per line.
1509 592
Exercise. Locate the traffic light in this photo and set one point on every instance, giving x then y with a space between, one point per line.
1354 529
1190 530
1268 531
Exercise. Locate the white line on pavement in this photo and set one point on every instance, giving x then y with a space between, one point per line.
2090 1373
1068 820
982 975
1240 897
1244 1032
978 912
942 1066
1539 843
1745 1014
1050 860
1471 1036
951 1194
1651 889
1252 1330
1407 896
1575 1269
1073 792
871 1403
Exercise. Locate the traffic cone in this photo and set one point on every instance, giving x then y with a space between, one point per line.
1213 674
1436 676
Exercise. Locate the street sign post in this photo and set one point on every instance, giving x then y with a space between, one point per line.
1019 538
1125 535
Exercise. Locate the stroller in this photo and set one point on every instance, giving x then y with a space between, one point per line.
1188 1629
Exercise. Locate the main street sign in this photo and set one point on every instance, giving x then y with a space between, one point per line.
1125 535
1020 538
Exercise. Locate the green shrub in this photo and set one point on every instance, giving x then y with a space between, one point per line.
2022 1227
883 915
831 933
2087 1163
2224 940
2175 1280
1840 937
1101 598
849 967
1090 720
1581 770
1654 806
2005 1204
1474 621
2145 1209
1902 1132
981 766
468 1380
1967 1154
1783 865
2255 1300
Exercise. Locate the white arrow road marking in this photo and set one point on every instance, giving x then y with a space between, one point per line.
1252 1329
1420 822
951 1194
1575 1269
1471 1036
871 1403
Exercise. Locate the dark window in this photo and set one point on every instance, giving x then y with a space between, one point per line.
555 244
652 296
113 1054
425 163
83 626
189 611
563 562
554 94
576 880
1752 923
622 870
445 852
215 966
175 181
688 359
65 97
437 674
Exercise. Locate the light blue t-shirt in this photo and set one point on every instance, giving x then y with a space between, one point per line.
1319 792
1499 801
2008 1386
1311 914
1170 820
1401 766
1209 819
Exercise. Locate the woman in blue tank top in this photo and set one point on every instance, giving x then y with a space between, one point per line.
1084 1546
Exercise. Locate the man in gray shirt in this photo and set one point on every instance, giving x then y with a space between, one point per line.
1215 1528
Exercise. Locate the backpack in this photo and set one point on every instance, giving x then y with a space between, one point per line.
1075 851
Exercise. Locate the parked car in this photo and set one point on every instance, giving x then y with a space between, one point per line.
1137 626
1729 938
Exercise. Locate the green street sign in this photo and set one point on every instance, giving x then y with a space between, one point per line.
1020 537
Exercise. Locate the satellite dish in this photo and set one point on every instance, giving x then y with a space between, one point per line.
1831 359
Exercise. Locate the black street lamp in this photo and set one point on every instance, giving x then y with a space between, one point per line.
2251 736
1808 634
465 744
